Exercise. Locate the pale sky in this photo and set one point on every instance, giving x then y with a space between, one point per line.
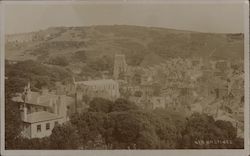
220 18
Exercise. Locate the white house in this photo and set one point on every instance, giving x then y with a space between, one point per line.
40 111
40 124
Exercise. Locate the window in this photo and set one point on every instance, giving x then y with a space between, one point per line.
56 123
47 126
38 128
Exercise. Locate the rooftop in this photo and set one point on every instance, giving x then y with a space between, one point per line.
41 116
37 98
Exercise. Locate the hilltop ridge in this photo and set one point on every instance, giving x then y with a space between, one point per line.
136 42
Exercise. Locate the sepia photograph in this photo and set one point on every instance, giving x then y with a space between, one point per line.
125 75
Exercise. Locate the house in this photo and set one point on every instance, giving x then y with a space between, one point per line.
40 111
40 124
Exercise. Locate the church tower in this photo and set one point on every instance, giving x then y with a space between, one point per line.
120 66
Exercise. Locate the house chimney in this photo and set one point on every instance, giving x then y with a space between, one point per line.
58 105
27 91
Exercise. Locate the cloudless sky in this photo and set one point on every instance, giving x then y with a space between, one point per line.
221 18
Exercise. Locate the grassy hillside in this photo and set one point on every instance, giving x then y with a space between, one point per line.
136 42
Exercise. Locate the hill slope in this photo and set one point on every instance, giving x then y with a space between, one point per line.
135 42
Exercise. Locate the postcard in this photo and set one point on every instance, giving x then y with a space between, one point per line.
125 77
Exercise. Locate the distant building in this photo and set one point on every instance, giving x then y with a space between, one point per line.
120 66
106 88
40 111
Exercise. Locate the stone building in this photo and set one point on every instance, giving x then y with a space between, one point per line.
120 66
105 88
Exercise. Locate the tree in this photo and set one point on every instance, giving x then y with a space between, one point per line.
100 105
168 126
64 137
147 140
132 129
89 125
80 56
12 124
12 114
104 63
36 73
34 143
201 127
227 129
59 60
123 105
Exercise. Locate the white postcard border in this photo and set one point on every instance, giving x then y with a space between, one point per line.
184 152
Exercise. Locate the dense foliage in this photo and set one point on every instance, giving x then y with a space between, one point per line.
108 124
39 75
59 60
12 124
122 125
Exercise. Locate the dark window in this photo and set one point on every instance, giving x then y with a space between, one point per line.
38 128
56 123
47 126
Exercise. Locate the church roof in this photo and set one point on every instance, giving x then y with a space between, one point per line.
41 116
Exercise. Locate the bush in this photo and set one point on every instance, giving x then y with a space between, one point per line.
59 60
